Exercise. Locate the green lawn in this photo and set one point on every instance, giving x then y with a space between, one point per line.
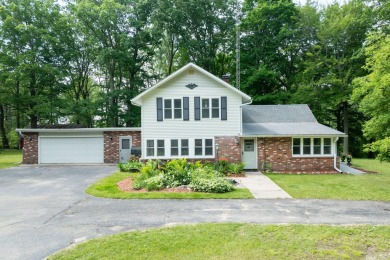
239 241
348 187
10 158
107 188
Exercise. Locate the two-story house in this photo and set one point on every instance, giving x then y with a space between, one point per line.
196 115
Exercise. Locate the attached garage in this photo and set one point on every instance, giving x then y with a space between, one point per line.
71 149
64 144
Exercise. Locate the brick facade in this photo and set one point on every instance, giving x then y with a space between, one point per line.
229 148
30 149
111 144
275 154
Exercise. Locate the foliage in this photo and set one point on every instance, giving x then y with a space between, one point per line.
130 166
155 175
372 93
216 185
236 168
108 188
340 186
239 241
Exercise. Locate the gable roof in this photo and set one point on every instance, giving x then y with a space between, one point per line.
138 99
283 120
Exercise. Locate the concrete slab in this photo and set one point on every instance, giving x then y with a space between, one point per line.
345 168
262 187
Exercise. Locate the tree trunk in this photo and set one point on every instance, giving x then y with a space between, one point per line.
346 125
112 113
3 134
17 104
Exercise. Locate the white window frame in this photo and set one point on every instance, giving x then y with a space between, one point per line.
203 155
311 154
173 108
210 108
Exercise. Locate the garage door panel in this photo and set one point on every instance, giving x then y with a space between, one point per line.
71 150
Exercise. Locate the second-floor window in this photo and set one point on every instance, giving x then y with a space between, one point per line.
172 108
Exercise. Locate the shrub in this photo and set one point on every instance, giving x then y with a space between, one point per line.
154 183
216 185
132 166
236 168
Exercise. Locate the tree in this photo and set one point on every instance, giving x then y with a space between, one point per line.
372 93
269 50
333 62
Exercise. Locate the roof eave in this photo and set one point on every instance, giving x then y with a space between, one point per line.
77 130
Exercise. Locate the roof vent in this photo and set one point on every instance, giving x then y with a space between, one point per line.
191 72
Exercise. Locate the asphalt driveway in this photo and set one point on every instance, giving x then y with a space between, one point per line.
44 209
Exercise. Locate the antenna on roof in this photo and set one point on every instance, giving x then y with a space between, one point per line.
238 34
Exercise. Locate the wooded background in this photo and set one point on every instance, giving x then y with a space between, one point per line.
82 61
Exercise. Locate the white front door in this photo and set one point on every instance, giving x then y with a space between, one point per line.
125 144
249 153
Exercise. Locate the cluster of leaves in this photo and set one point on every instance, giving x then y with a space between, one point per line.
203 177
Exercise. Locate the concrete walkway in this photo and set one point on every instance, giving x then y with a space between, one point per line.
345 168
262 187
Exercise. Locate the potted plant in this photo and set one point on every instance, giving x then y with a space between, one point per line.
343 157
349 159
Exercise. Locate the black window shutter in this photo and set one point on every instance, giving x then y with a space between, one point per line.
186 108
197 108
159 109
223 108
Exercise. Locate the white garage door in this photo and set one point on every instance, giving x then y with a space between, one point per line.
71 150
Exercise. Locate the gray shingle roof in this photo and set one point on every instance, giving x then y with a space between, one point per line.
283 120
277 114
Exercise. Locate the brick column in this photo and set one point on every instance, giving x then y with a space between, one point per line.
30 149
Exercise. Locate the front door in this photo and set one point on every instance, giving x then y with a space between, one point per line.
124 148
249 153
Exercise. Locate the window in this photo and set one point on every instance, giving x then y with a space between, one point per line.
184 147
327 146
167 108
177 108
149 147
208 147
198 147
160 148
172 108
215 108
203 147
296 146
317 145
311 146
205 108
174 147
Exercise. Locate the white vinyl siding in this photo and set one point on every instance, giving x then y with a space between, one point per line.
312 147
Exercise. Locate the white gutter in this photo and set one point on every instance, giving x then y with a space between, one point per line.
335 156
72 130
245 104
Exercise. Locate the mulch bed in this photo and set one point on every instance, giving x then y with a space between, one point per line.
126 185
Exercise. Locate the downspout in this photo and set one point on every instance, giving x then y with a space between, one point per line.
335 156
247 103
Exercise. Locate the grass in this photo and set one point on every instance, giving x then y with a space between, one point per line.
239 241
10 158
338 186
107 188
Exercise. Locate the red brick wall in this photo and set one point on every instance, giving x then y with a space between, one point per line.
276 153
111 147
229 148
30 149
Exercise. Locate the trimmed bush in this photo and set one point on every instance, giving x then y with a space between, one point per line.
216 185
